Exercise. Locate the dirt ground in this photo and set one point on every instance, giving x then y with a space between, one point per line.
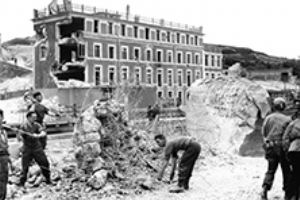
214 178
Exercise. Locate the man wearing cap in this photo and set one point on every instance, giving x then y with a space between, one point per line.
273 129
191 152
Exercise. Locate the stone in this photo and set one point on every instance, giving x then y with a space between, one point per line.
34 170
98 179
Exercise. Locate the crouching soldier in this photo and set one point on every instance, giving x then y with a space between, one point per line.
191 152
273 129
31 132
4 159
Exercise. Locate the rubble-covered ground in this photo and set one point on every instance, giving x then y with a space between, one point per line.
220 177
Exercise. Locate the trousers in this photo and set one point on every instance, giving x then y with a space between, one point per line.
275 156
187 162
3 176
294 186
40 158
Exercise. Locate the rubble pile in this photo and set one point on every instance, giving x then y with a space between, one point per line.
222 112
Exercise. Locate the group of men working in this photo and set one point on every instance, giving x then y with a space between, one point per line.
281 135
32 134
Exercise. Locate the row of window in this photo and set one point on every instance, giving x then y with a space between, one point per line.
212 75
170 95
149 76
212 60
190 58
144 33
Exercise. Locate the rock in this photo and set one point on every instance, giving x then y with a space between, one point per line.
38 181
98 180
145 181
55 176
15 150
34 170
98 164
227 108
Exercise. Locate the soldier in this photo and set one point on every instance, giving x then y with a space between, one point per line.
31 131
272 131
4 159
41 111
191 152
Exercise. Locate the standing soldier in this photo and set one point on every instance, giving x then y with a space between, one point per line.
31 132
272 131
191 152
41 111
4 159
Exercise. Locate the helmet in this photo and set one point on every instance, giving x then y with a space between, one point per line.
279 103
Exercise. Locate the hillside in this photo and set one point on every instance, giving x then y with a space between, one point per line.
251 59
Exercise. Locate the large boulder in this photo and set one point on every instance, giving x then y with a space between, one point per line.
222 112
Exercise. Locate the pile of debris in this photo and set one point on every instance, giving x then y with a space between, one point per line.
222 112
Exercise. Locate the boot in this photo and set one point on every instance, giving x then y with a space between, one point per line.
179 188
186 184
264 194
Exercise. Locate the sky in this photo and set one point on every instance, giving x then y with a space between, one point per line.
269 26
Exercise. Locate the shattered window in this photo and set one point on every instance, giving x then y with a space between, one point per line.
110 28
159 56
198 74
213 75
81 50
124 73
148 52
137 75
96 26
179 57
197 59
159 94
111 75
159 78
124 53
170 94
111 52
170 56
137 54
123 29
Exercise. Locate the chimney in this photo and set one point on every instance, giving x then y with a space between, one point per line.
127 12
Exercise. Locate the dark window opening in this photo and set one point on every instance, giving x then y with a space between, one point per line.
178 37
159 56
123 30
81 51
159 79
111 52
77 25
110 27
157 35
196 40
189 79
96 26
187 38
147 33
148 55
179 58
168 36
136 29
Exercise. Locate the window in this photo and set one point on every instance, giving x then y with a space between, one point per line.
89 25
137 75
168 36
178 37
179 57
192 40
124 73
111 75
159 94
110 27
129 32
212 60
111 52
149 76
173 37
97 50
170 77
148 55
187 38
123 29
188 58
200 41
98 75
159 77
135 31
163 36
198 74
137 53
206 60
182 39
196 40
188 78
104 28
43 52
152 35
159 56
170 94
170 56
219 61
207 75
157 35
197 59
147 33
124 52
179 96
81 50
96 26
213 75
179 77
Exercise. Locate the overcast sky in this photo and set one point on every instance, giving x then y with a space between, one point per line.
270 26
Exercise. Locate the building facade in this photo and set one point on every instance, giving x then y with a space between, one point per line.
213 61
108 48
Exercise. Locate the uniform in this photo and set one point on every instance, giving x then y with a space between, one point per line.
191 152
33 150
272 130
4 160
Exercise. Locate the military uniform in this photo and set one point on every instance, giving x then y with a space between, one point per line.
33 150
4 160
272 130
191 152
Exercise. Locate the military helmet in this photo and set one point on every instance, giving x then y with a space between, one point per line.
279 103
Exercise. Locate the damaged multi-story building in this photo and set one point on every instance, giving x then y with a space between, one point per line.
107 48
